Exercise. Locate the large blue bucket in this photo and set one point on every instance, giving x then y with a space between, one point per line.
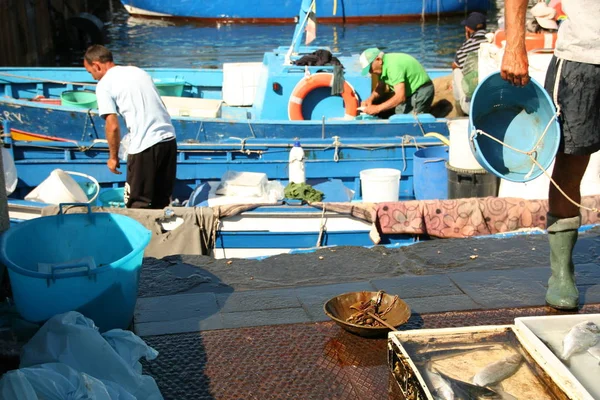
84 262
517 116
430 176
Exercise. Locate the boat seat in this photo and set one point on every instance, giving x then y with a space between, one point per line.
411 118
192 107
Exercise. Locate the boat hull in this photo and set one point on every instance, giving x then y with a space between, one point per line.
259 11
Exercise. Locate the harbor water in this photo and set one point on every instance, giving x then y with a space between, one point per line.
189 44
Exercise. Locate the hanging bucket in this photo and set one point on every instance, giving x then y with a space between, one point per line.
59 187
520 117
430 177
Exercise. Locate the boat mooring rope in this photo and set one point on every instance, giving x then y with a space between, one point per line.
532 154
322 228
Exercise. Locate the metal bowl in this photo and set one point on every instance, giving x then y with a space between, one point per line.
338 309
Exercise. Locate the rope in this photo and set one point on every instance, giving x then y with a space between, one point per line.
46 80
322 228
336 144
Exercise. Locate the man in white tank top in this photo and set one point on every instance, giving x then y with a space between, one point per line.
574 74
152 153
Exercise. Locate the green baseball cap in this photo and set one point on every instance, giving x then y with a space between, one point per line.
367 57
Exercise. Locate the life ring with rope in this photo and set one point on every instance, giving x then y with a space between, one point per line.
315 81
533 41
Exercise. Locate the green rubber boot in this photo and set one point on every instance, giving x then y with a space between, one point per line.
562 292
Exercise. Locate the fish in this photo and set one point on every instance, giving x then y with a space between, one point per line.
468 391
438 354
595 351
498 370
440 387
581 337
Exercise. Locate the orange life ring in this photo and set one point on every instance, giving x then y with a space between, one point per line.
315 81
532 40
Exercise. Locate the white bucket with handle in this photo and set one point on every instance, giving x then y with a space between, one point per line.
59 187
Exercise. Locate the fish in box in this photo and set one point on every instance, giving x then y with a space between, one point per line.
484 362
568 347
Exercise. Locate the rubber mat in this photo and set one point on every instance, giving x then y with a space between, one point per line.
301 361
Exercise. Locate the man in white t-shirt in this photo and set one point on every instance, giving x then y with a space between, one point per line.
574 74
152 151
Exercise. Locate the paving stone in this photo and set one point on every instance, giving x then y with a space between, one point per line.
587 274
417 286
258 300
187 325
423 305
265 317
316 294
500 288
175 307
589 294
537 274
315 312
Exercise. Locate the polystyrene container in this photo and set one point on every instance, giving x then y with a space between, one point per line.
380 184
83 262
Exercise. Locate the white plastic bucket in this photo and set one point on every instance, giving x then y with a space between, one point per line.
380 184
460 154
59 187
538 188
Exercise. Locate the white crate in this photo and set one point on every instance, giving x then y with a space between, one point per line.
580 379
192 107
530 381
239 82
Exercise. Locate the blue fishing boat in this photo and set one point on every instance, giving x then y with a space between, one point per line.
242 119
285 11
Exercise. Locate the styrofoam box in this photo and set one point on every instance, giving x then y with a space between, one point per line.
580 379
239 82
490 60
192 107
407 379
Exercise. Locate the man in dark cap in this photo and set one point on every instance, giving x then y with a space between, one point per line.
464 67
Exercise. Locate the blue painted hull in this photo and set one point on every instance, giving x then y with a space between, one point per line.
287 10
266 119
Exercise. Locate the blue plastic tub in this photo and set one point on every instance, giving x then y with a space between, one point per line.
518 117
84 262
112 198
170 86
430 176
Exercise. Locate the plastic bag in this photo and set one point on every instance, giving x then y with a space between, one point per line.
74 340
124 147
10 171
55 381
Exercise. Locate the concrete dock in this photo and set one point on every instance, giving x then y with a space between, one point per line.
255 329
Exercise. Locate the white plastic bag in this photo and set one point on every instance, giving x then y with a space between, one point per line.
124 147
74 340
55 381
10 171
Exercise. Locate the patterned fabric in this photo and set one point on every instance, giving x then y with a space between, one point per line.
462 218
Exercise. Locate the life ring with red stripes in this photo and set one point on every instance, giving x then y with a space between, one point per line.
315 81
532 40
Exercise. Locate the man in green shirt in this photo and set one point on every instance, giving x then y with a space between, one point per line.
403 84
